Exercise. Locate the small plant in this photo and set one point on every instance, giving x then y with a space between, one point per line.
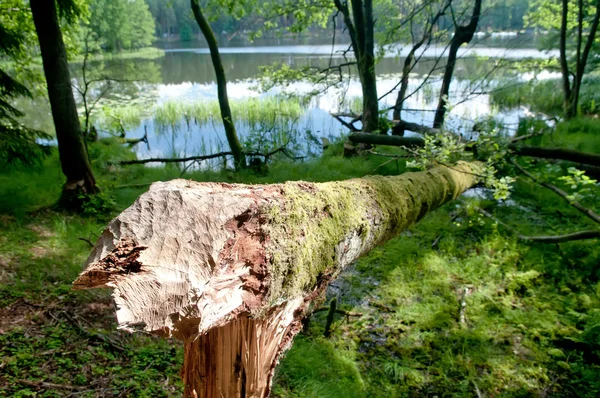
581 184
97 205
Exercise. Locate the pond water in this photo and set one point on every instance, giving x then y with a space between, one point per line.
185 74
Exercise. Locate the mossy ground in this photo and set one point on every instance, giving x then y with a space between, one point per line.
532 318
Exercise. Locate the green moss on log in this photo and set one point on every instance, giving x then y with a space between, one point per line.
320 228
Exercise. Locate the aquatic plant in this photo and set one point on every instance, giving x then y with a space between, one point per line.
253 112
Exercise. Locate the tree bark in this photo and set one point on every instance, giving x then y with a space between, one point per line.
71 146
231 269
232 138
572 89
562 48
582 58
360 25
462 35
398 129
370 118
409 64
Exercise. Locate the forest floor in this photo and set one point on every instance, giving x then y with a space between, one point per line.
456 306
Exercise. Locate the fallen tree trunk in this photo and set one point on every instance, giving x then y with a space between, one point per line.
231 269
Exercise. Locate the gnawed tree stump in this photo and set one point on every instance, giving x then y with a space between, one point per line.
231 269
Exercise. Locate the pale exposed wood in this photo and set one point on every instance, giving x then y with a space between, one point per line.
230 269
238 359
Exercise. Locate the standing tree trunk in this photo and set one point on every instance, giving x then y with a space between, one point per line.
71 147
462 35
370 119
360 25
564 66
231 269
409 64
232 138
572 89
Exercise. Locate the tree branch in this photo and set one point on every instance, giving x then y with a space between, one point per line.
175 160
584 210
556 153
580 235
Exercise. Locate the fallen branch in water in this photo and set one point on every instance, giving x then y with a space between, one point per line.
349 125
527 136
381 139
282 149
175 160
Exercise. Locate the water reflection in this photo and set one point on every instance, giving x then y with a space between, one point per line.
186 74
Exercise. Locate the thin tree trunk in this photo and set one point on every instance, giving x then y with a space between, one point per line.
572 104
397 114
232 138
370 119
462 35
71 146
360 26
409 63
231 269
440 112
564 66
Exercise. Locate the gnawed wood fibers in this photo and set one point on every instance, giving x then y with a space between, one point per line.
210 251
230 269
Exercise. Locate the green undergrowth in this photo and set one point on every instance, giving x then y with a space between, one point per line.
531 314
51 334
581 133
530 324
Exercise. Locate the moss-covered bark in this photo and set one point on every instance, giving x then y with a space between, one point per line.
318 229
195 260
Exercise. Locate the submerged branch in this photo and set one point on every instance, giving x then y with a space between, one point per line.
175 160
282 149
380 139
349 125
